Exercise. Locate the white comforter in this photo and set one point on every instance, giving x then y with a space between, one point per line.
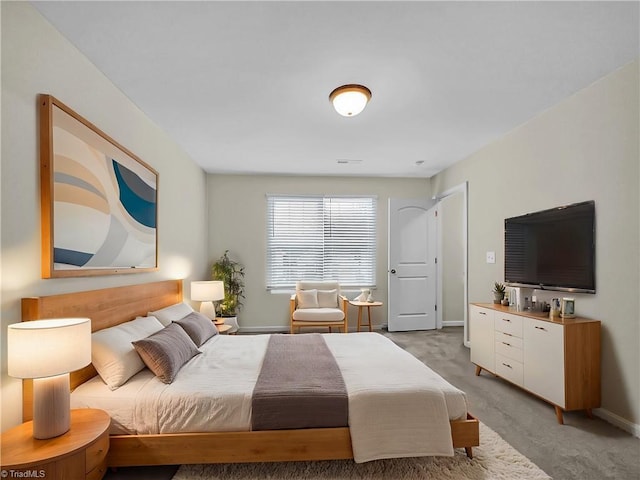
398 407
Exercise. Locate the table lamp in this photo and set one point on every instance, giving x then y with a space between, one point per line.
207 292
46 351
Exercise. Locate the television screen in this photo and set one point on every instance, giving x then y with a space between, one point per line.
552 249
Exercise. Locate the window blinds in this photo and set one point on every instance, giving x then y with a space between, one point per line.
321 238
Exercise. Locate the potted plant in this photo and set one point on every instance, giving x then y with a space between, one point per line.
498 292
231 273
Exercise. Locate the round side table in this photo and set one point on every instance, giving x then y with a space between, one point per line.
361 306
231 322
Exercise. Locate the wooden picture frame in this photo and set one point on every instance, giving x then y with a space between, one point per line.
98 200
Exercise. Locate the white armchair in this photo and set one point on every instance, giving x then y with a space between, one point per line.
318 304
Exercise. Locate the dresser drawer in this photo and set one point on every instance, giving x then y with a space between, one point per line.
510 351
509 339
98 472
508 323
509 369
96 453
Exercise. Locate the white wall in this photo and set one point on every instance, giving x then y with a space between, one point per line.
237 221
585 148
37 59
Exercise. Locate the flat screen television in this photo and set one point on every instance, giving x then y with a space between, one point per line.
552 249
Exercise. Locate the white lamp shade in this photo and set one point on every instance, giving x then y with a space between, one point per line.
44 348
350 100
207 291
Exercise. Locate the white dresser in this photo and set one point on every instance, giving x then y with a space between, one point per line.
557 360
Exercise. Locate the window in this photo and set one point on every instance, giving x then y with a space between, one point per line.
321 238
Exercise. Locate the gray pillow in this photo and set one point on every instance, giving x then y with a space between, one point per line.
199 327
168 314
166 351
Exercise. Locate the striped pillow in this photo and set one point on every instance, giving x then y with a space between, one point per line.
166 351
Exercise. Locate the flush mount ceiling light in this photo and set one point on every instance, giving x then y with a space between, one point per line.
350 100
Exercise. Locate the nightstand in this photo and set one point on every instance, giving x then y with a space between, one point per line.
79 453
220 325
223 328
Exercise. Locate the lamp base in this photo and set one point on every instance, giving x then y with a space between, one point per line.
51 406
208 310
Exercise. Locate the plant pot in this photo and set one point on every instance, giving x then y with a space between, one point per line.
497 298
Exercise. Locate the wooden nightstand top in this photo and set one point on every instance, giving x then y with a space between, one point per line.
20 449
222 328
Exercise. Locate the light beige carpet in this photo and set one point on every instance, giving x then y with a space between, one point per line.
494 459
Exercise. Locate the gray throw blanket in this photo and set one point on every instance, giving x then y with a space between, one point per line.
299 386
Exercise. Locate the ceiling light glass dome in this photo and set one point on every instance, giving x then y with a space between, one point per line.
350 100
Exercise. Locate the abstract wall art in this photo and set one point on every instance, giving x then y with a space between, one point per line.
99 201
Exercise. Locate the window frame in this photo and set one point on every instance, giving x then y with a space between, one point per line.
334 211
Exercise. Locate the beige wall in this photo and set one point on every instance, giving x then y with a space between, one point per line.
37 59
452 262
237 221
585 148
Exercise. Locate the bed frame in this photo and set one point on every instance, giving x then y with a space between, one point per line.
112 306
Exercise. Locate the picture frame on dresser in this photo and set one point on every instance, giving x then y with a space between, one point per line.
568 308
98 200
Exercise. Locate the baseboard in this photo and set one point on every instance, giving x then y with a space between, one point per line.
618 421
453 323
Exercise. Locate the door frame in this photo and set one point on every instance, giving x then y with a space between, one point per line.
464 189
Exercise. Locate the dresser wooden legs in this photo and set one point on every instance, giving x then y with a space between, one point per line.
559 415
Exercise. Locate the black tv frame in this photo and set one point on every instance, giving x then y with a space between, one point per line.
546 286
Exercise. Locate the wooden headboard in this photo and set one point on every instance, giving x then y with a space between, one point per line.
106 307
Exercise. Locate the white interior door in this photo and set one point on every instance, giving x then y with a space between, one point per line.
412 264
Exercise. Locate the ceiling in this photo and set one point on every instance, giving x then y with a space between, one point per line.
243 86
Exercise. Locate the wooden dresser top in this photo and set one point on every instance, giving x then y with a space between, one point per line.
544 316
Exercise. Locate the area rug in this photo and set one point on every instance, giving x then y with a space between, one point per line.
494 459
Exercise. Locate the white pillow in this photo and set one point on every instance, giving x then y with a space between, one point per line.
112 353
172 313
328 298
307 298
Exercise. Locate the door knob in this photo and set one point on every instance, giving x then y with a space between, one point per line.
393 271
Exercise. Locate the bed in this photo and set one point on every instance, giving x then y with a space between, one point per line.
114 306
